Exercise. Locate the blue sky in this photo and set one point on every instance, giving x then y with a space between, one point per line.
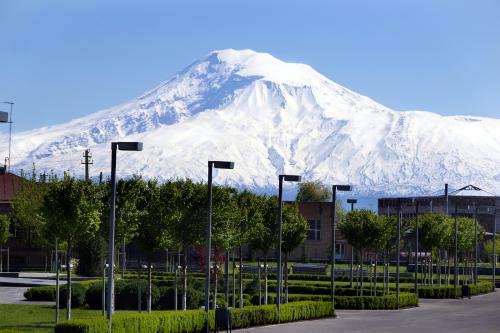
63 59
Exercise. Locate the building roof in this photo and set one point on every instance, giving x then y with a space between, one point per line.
471 191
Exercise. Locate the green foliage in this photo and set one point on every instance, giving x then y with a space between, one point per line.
449 291
91 253
488 248
360 228
26 208
433 229
158 205
41 294
4 228
313 191
193 321
71 209
251 213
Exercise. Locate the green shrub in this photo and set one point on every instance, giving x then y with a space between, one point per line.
41 294
449 291
77 295
193 321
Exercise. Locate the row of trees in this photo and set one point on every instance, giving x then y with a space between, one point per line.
376 235
153 215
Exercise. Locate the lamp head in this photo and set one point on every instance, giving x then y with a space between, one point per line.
343 187
352 201
130 146
291 178
222 164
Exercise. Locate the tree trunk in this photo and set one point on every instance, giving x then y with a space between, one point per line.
431 271
124 259
361 272
286 277
215 280
68 271
227 278
265 280
234 282
150 268
448 268
185 281
139 287
241 278
176 273
375 276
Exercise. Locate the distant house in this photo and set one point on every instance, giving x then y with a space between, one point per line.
10 185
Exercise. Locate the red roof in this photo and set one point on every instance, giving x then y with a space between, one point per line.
10 184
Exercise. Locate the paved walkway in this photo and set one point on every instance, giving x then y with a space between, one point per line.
479 314
15 295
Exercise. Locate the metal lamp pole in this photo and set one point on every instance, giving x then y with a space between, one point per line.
455 259
10 130
281 178
334 250
352 202
129 146
398 251
211 166
416 245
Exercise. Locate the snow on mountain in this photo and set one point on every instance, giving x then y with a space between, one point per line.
272 117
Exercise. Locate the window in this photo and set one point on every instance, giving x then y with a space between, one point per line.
314 231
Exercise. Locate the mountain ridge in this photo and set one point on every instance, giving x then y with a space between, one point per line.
273 117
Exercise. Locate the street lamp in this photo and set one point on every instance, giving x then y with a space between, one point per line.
352 202
416 203
3 119
211 166
127 146
281 178
334 250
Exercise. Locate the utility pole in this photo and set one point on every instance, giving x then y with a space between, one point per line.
87 160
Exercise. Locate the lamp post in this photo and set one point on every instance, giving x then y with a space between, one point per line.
127 146
455 259
104 287
211 166
281 178
352 202
398 251
416 203
334 250
10 128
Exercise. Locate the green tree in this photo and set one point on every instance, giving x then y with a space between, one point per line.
225 229
360 228
263 234
313 191
190 228
4 234
129 193
71 210
294 233
26 209
251 216
4 228
488 249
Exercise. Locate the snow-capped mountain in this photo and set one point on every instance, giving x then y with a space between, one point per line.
271 117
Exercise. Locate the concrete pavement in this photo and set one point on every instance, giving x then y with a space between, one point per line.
479 314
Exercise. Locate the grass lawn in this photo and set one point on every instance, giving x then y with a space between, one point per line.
36 318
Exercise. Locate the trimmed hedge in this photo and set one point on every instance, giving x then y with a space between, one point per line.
193 321
48 294
482 287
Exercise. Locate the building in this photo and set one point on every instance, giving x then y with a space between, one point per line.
466 201
10 184
317 246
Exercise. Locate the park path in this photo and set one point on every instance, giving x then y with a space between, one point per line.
477 315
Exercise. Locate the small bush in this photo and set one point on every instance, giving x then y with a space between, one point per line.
41 294
77 295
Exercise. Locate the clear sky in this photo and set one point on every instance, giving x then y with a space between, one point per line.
63 59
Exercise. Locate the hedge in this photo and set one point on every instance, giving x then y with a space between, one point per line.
193 321
449 291
48 294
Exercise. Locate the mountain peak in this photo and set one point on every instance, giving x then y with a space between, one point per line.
250 63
